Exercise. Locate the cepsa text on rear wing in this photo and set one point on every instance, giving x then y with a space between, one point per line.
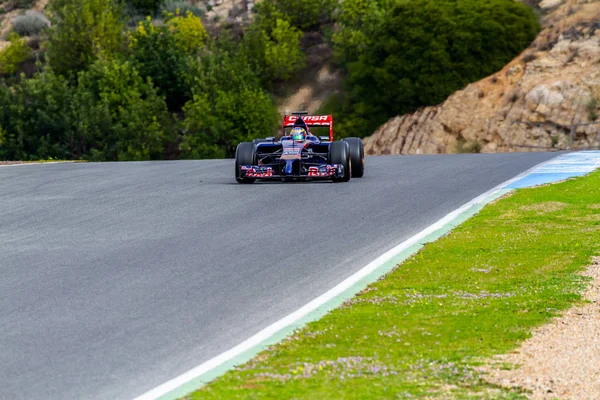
310 120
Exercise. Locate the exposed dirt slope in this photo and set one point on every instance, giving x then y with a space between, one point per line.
542 99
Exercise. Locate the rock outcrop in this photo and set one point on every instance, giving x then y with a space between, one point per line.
547 98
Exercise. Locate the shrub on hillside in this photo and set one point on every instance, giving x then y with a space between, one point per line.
35 116
149 7
359 20
109 113
229 104
25 4
31 23
303 14
2 138
13 55
216 123
164 53
188 30
424 51
82 31
184 6
283 54
133 122
275 56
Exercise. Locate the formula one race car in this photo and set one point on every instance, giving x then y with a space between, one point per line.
300 155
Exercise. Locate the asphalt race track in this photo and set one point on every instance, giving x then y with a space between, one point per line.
117 277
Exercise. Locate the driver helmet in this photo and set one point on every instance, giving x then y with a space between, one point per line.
298 133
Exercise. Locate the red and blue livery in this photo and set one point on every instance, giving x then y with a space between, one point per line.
300 155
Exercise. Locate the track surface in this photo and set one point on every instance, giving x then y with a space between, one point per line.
116 277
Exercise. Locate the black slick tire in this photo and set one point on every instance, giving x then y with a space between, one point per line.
339 154
357 156
244 155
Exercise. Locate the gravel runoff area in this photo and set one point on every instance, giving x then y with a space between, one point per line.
561 359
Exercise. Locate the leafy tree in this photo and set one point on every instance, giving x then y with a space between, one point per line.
35 116
359 20
222 66
216 124
2 137
229 104
188 30
82 31
131 121
425 50
13 55
305 15
273 50
165 53
109 113
150 7
171 6
283 56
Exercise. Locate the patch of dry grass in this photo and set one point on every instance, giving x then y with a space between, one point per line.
546 207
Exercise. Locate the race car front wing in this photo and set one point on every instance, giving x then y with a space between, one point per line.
321 171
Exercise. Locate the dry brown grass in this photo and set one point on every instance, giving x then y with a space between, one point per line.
546 207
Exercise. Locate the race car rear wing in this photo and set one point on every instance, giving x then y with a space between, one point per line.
309 120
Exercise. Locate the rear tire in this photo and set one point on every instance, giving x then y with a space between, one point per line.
357 156
339 154
244 155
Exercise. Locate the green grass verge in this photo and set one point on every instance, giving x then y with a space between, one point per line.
423 329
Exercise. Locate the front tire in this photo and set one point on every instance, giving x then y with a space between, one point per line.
244 155
357 156
339 154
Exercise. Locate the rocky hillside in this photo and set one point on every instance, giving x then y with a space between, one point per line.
215 12
547 98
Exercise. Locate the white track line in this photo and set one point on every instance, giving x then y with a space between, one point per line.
39 163
290 319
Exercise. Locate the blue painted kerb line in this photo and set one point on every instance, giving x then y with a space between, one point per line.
563 167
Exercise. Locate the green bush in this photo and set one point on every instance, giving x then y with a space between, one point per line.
359 21
82 31
25 3
275 56
272 47
109 113
305 15
229 104
188 30
216 124
2 138
32 23
283 55
35 116
160 55
425 50
13 55
149 7
184 6
131 121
